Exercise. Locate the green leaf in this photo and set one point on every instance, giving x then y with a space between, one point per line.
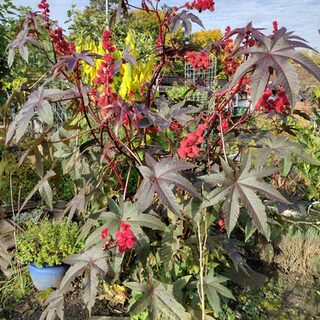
170 245
212 289
158 300
249 230
179 285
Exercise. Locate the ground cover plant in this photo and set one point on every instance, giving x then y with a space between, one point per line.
167 193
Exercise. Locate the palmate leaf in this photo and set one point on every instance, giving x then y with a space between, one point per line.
160 178
184 19
91 263
274 53
19 42
282 148
71 61
77 203
158 300
165 114
213 288
240 184
55 307
242 33
37 103
234 249
120 110
126 212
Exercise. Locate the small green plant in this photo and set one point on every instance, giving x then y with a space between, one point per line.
14 288
48 243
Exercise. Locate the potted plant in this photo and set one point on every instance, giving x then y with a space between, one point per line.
43 246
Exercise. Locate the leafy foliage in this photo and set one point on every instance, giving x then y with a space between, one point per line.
159 178
92 263
106 126
213 287
37 103
166 114
47 243
126 212
274 54
241 184
158 300
280 147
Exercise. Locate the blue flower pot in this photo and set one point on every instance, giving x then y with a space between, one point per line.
47 277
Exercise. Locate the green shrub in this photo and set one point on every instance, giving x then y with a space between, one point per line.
48 243
23 178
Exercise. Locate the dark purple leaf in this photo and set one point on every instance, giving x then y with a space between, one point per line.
183 19
128 57
160 178
239 185
273 53
71 61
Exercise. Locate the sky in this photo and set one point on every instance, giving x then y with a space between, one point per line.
301 16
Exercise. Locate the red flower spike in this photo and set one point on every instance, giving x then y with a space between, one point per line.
175 126
104 95
221 223
44 7
61 46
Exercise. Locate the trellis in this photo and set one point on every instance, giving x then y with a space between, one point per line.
207 77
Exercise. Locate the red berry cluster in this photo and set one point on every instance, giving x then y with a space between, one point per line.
200 5
224 125
190 147
44 7
105 75
273 102
199 60
125 239
61 46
